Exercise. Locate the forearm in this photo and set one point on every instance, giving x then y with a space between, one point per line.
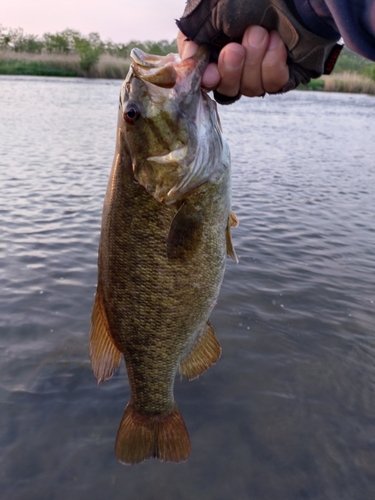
353 19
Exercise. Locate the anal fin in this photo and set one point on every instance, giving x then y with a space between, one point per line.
204 354
140 437
105 356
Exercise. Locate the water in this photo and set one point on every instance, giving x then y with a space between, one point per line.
289 411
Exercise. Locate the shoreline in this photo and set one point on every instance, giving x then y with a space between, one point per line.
347 81
24 64
114 67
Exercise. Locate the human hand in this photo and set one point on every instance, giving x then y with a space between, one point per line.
252 60
256 66
252 68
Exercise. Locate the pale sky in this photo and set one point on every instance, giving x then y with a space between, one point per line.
118 20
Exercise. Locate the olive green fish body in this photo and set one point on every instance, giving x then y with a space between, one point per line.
161 263
157 306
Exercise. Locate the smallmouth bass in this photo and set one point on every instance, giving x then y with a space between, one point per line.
164 241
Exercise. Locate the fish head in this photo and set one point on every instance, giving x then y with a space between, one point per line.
170 125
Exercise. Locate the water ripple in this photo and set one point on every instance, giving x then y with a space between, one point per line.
289 410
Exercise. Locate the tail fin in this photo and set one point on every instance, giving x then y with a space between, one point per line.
141 437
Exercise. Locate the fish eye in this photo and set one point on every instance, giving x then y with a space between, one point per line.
131 113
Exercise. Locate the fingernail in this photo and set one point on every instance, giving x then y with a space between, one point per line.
256 36
233 58
211 76
188 50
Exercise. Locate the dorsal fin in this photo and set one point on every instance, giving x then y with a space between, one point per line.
105 356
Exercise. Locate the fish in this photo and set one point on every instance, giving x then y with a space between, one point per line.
165 237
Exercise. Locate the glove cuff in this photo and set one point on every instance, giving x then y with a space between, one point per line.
225 99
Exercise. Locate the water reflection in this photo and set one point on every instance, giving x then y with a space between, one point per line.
289 410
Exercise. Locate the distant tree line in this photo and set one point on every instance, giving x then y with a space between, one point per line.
89 48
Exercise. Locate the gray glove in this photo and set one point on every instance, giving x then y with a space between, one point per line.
218 22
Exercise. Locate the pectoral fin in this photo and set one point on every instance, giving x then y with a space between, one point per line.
204 354
105 356
185 232
232 222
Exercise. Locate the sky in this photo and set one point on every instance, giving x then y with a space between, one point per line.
116 20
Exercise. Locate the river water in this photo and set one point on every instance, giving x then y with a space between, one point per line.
289 411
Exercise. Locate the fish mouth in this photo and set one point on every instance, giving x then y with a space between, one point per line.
170 71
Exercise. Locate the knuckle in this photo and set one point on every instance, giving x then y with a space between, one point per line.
251 91
275 80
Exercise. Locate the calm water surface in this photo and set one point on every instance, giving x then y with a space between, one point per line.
289 411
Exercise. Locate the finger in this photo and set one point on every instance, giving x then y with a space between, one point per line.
230 64
255 43
275 71
185 47
211 77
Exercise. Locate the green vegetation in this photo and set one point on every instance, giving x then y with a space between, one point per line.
89 50
73 54
353 83
352 73
69 53
317 84
22 63
370 71
36 68
349 61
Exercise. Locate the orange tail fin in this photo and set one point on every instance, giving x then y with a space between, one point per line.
140 437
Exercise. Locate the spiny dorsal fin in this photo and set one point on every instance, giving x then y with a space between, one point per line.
105 357
185 233
203 355
140 437
232 222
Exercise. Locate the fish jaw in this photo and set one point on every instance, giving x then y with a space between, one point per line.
175 143
170 71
